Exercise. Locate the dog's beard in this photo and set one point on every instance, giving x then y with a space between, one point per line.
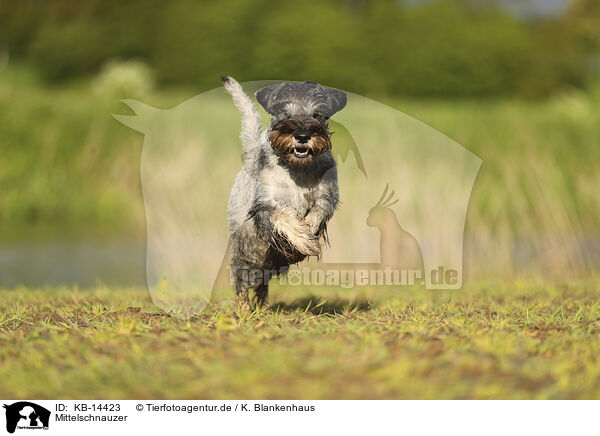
282 140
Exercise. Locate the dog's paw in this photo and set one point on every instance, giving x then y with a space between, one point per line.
297 233
316 224
308 244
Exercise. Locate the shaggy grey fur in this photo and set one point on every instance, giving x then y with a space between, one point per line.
278 210
305 97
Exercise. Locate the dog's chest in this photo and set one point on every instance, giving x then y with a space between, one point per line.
278 186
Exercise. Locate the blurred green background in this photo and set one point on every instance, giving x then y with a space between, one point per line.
516 82
419 48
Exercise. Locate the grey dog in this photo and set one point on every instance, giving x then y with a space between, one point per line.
287 189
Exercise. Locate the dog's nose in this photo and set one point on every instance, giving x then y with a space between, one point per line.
302 136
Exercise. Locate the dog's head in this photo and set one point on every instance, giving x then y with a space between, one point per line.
299 131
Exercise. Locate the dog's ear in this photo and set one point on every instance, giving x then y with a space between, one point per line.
336 99
265 96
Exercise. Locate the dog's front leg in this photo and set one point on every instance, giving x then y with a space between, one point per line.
317 219
294 231
280 226
324 206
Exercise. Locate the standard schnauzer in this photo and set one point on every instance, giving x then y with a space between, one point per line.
287 190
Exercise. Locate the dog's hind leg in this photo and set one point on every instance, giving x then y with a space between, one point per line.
251 124
261 293
242 299
241 283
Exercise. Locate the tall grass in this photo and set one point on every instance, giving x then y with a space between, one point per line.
536 203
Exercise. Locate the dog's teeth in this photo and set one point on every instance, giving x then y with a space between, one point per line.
301 152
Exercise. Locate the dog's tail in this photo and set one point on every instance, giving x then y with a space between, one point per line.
251 124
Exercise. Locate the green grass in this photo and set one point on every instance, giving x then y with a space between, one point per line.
517 341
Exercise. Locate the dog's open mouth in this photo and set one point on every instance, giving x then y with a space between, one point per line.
301 151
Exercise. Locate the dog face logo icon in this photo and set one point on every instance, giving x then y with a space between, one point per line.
26 415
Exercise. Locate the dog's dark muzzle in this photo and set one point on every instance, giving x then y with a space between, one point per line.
302 150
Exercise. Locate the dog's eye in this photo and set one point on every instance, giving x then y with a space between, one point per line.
319 117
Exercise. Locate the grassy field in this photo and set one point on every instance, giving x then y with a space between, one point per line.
513 341
69 170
